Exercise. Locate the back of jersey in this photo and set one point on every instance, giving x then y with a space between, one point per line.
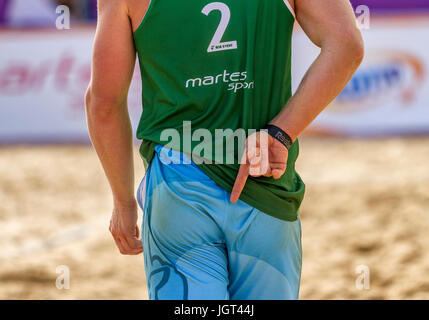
219 65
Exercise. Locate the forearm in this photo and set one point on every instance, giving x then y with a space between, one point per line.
323 81
111 134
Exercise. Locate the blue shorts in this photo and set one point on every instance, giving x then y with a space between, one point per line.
198 245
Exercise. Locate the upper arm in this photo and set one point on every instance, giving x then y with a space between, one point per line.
325 20
114 54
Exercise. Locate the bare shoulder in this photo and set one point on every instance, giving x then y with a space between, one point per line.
136 10
104 5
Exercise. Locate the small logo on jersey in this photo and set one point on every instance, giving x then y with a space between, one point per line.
236 81
225 46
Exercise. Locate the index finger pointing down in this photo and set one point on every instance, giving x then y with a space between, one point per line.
240 182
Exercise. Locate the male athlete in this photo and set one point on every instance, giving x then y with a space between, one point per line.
213 229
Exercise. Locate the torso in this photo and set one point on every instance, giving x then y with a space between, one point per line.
220 64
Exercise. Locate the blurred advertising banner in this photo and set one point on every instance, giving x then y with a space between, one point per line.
393 5
389 94
43 78
44 75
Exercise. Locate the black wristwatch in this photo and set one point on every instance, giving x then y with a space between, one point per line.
280 135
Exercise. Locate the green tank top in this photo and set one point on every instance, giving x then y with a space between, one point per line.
219 65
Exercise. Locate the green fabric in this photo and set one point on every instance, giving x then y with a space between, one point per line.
172 44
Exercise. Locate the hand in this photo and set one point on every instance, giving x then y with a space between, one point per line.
124 229
263 156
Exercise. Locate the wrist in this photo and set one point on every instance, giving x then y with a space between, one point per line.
280 135
286 129
129 203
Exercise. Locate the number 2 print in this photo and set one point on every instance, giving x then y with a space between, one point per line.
216 44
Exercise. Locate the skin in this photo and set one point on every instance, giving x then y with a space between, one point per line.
330 24
107 115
